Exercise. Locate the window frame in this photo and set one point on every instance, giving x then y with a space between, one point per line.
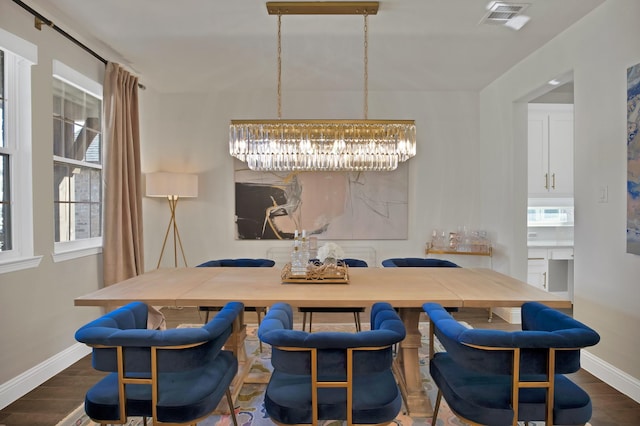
67 250
20 55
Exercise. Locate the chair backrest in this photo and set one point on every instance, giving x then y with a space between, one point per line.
350 262
355 263
240 262
548 346
359 361
418 262
122 343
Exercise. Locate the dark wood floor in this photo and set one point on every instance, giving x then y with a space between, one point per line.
53 400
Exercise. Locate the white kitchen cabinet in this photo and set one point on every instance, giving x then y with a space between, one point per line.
550 150
551 269
537 268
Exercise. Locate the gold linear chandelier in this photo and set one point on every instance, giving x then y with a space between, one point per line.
324 145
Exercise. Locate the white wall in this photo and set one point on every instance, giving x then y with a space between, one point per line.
189 132
598 49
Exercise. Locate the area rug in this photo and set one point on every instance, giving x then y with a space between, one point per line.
249 404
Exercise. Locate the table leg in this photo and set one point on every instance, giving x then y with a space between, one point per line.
407 366
236 344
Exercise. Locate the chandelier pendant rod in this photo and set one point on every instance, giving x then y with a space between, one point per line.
366 68
279 66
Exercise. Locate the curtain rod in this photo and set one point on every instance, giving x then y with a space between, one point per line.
40 19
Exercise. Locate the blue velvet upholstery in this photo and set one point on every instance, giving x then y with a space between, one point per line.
240 262
192 374
417 262
476 382
356 310
376 397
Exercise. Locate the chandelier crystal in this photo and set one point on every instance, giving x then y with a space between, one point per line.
322 145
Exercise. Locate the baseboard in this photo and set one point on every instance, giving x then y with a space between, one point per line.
611 375
34 377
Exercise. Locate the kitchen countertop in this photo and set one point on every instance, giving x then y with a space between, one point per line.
549 243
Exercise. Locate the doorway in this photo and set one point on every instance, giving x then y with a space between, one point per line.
550 207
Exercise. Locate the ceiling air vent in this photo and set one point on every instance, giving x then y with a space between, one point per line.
501 12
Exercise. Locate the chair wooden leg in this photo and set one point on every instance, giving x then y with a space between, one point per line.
259 313
310 320
436 408
232 409
356 317
304 321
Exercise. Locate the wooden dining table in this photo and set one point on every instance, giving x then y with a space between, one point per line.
405 288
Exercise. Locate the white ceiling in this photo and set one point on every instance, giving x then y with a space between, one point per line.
213 45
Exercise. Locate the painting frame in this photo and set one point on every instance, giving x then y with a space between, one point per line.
633 159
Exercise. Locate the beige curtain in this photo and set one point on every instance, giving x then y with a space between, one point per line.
123 255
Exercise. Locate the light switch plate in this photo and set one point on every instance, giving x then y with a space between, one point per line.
603 194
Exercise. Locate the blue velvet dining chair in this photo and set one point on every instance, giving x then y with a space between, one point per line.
496 377
355 310
332 375
175 376
242 262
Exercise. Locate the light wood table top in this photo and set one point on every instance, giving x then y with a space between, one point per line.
402 287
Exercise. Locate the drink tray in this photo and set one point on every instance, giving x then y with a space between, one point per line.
318 273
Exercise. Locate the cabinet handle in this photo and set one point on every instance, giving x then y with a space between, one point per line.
553 181
544 282
546 181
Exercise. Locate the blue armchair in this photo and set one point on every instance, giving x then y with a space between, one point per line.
495 377
174 376
332 375
356 310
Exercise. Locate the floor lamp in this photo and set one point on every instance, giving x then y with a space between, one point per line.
173 186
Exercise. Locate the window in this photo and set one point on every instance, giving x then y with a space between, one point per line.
5 171
16 214
77 160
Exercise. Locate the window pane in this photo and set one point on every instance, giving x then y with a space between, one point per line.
96 186
61 182
2 108
94 148
81 220
1 74
5 206
58 137
81 177
62 215
69 141
96 221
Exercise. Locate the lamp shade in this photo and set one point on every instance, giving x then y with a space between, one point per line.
163 184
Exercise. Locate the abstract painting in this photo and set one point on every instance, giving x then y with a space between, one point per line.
328 205
633 159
